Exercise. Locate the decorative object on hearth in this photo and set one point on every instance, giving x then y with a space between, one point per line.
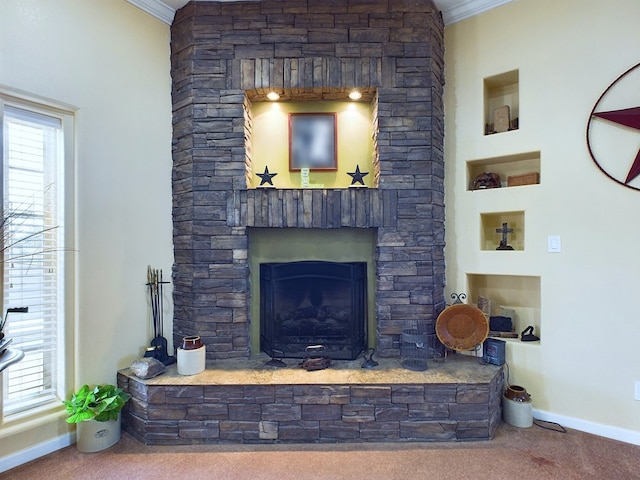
315 360
486 180
276 359
607 125
266 177
191 342
462 327
357 176
414 348
528 336
504 231
369 362
159 343
493 351
191 361
147 367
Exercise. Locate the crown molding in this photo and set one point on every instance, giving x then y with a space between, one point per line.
452 10
455 11
156 8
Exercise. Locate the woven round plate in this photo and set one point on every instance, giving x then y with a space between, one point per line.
462 327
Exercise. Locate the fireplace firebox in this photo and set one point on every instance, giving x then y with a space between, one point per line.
309 303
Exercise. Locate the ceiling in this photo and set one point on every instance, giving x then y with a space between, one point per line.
452 10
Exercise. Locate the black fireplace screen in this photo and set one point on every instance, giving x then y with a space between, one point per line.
313 303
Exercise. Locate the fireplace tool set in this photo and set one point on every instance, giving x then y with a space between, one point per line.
158 348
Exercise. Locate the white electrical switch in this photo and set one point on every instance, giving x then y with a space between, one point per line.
554 245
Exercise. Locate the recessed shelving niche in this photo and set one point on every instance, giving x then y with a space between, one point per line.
499 91
490 222
520 293
509 167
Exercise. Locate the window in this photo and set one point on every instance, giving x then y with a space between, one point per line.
33 252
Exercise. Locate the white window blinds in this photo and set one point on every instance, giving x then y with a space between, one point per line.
32 251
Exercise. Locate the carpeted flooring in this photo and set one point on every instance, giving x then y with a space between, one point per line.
515 453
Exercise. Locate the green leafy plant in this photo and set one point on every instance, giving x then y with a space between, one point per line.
100 403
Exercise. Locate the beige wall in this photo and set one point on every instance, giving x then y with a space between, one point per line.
567 52
110 62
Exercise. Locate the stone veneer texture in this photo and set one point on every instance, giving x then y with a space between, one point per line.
227 55
166 414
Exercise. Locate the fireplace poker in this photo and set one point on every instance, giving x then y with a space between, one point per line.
158 343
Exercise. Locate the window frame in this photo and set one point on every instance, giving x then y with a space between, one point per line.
66 202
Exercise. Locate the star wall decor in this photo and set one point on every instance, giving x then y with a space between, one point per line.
266 177
609 125
627 117
357 176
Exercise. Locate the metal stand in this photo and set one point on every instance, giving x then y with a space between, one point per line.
369 362
276 359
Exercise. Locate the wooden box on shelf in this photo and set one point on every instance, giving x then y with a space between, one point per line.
525 179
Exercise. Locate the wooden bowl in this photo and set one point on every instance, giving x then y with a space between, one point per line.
462 327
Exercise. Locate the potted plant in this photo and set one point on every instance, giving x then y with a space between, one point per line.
96 411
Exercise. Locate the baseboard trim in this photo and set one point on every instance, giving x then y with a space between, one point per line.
615 433
40 450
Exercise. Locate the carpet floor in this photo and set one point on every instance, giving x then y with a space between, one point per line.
514 453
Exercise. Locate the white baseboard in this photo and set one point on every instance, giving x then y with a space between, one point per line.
615 433
36 451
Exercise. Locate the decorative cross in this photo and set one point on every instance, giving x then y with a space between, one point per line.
504 231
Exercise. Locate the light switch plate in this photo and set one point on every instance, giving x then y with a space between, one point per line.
554 245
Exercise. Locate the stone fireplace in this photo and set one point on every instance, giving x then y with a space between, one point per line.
226 56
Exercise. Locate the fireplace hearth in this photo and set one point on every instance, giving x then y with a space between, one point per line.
313 303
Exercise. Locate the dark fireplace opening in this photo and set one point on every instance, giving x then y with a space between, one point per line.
310 303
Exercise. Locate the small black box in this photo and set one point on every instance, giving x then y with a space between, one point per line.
493 351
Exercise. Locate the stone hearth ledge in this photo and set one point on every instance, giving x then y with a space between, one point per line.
247 401
456 369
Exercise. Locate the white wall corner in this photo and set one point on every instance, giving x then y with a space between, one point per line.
155 8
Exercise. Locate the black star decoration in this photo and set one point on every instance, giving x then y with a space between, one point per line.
357 176
266 176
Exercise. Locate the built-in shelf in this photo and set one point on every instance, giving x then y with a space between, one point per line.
491 222
501 91
520 293
512 169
